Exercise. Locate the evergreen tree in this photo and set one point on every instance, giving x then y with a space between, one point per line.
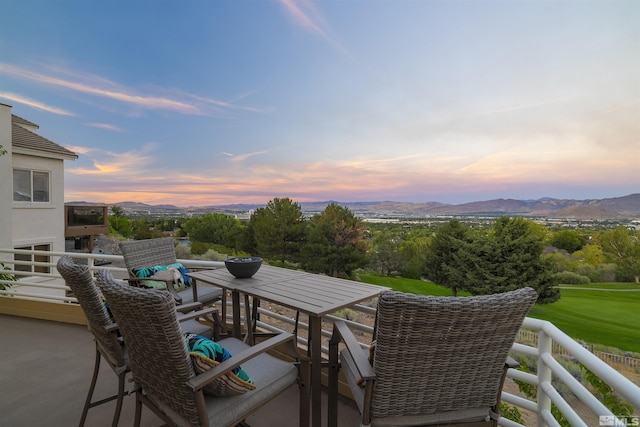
384 255
512 259
278 230
335 244
569 240
443 259
507 257
216 228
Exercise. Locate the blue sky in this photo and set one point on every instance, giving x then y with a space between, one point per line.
217 102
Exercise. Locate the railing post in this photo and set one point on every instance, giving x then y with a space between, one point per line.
545 346
91 263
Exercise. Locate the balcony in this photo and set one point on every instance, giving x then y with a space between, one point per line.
48 358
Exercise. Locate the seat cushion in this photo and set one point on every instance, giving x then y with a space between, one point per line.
207 294
207 354
194 327
270 375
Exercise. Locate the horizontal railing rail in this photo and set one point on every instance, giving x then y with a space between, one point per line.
43 283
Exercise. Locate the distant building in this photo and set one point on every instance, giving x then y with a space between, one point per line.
31 188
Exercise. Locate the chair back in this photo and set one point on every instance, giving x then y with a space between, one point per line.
148 253
439 354
79 279
158 356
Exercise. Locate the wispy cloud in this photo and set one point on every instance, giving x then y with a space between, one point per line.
305 14
407 177
35 104
78 149
170 100
126 165
244 156
520 107
105 126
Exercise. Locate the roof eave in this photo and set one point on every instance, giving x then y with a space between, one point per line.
45 154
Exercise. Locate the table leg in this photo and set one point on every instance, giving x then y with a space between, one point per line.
248 319
315 332
305 397
223 315
237 327
194 287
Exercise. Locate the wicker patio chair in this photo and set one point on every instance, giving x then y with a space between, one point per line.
163 371
436 360
105 332
161 251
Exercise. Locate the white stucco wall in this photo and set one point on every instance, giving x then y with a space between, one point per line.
40 223
6 178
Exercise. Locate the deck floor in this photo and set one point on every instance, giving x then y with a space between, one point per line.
45 372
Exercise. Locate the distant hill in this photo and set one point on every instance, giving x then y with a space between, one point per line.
626 207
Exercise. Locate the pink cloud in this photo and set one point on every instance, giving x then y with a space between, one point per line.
35 104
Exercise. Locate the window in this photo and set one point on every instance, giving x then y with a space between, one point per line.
33 258
30 186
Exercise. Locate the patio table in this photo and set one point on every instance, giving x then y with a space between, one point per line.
313 294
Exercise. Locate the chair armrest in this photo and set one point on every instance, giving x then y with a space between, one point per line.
196 313
111 327
190 306
360 358
511 363
200 381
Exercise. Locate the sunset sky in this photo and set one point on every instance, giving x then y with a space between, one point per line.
199 103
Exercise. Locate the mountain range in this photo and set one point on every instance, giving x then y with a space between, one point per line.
615 208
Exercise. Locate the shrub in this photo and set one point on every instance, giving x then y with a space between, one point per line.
183 252
597 274
213 255
571 278
6 276
590 271
511 413
346 313
199 248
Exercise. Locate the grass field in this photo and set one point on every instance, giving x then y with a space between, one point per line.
606 314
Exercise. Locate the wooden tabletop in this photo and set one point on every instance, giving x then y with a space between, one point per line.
313 294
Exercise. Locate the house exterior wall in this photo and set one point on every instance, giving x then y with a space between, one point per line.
29 223
40 223
6 178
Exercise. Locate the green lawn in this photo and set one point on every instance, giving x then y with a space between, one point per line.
608 317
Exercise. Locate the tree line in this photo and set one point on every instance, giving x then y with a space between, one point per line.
510 253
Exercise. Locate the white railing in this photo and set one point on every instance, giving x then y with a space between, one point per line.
49 286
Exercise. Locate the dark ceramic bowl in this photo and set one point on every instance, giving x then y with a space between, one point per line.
243 266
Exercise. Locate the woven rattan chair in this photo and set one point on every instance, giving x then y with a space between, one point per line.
161 251
105 332
163 372
436 361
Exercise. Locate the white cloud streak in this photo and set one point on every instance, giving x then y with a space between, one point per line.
179 102
311 20
35 104
105 126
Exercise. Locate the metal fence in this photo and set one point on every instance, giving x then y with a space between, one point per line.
538 339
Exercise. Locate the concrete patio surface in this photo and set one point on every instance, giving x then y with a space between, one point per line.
45 373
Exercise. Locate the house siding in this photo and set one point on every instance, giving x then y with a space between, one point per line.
6 178
30 223
40 223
